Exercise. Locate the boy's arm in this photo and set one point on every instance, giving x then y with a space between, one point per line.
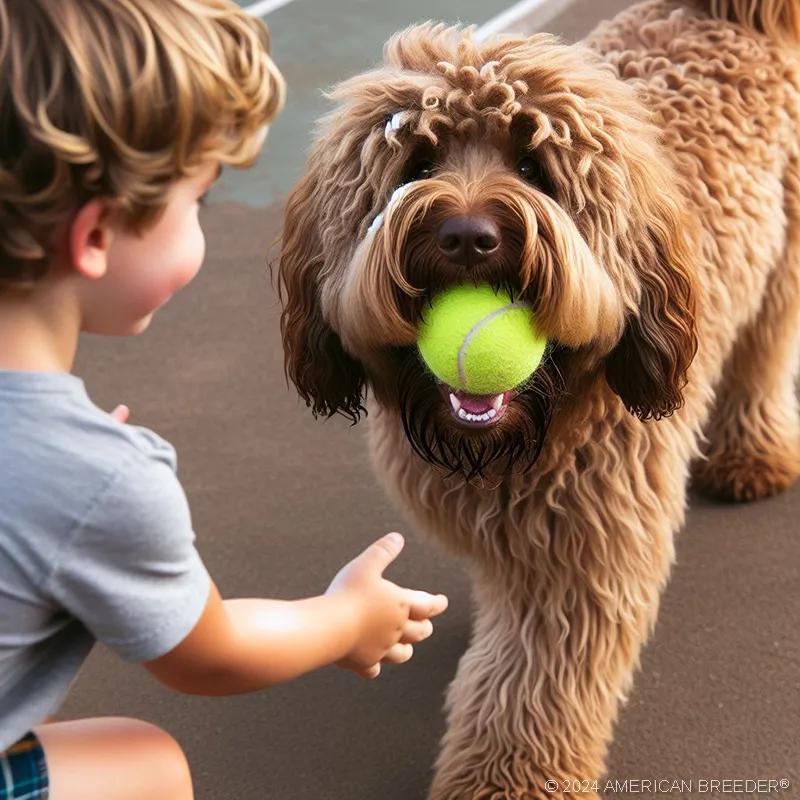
241 646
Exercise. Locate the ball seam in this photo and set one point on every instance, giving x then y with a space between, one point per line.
462 352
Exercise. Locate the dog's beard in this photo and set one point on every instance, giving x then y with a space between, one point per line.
511 446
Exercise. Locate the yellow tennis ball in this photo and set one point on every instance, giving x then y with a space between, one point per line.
479 342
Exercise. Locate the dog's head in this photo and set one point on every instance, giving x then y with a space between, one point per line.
523 163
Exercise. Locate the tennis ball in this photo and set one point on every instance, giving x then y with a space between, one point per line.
479 342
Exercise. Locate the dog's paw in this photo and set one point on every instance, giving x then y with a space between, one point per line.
746 478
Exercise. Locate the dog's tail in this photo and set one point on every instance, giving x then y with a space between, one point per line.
779 19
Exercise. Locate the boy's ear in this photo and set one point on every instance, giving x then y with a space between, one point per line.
90 238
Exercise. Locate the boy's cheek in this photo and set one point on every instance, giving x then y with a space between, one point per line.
187 270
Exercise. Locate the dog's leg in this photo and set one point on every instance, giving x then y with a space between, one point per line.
754 433
529 713
562 614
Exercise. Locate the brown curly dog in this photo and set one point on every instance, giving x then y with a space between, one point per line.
642 191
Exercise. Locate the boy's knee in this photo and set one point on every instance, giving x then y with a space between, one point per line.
158 754
167 760
128 758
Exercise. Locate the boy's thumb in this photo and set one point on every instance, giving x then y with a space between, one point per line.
121 414
385 550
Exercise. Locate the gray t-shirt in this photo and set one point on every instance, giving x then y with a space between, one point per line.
96 543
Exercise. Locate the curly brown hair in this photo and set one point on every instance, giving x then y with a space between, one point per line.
120 99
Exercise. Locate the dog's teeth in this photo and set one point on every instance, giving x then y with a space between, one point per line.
468 416
455 403
465 415
497 403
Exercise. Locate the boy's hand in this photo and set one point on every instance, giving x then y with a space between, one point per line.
121 414
388 618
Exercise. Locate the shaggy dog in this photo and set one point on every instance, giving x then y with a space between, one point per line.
642 191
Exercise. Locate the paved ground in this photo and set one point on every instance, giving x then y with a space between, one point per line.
280 502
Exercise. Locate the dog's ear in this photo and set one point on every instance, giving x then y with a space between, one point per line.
325 375
648 368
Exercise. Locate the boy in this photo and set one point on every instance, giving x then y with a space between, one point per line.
115 117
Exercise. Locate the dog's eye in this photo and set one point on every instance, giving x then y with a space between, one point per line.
419 170
531 170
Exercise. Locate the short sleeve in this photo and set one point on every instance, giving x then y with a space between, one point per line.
131 572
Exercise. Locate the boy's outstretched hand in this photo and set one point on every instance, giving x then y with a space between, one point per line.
389 620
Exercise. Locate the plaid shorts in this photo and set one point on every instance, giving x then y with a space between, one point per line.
23 771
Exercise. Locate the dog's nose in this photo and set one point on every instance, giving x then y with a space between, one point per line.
468 240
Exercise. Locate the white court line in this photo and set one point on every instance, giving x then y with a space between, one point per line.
540 12
265 7
544 10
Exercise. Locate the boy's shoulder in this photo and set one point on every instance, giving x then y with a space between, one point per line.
57 441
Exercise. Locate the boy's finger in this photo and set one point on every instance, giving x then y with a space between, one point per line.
381 553
424 605
398 654
368 673
121 413
414 631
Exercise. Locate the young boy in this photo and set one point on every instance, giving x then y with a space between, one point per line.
115 117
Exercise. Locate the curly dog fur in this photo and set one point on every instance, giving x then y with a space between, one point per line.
643 190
